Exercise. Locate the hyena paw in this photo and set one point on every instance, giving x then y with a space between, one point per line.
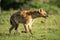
24 31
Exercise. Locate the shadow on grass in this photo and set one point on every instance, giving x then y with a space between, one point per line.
41 37
7 34
4 34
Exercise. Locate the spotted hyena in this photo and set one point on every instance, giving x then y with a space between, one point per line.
26 17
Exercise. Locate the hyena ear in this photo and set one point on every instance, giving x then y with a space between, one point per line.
41 9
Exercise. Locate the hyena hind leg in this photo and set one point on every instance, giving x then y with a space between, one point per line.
16 27
13 27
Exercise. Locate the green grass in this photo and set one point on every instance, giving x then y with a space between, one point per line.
49 30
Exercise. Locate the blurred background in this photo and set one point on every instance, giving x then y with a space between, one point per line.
49 30
48 5
27 4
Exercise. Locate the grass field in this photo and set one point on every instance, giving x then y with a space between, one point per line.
49 30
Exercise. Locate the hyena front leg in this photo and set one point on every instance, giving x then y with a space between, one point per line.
30 26
25 28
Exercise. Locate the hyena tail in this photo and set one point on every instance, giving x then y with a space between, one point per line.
11 22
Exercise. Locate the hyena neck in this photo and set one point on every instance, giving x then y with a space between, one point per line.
35 14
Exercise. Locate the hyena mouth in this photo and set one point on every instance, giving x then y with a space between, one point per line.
45 16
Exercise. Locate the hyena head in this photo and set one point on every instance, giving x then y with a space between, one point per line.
43 13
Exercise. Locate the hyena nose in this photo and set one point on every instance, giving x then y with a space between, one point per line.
46 16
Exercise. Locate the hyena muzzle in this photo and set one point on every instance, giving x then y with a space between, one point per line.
26 18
